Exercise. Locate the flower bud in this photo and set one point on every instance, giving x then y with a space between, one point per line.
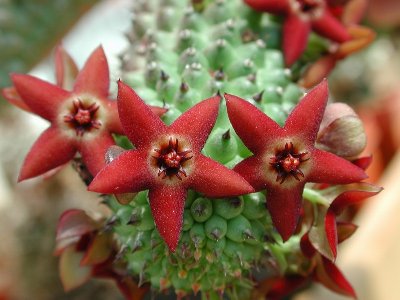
341 131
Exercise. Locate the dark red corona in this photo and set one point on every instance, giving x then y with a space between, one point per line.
83 117
170 159
287 162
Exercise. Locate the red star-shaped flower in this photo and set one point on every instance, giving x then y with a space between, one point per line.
302 16
167 161
81 120
286 158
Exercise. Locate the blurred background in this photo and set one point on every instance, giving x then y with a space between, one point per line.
29 30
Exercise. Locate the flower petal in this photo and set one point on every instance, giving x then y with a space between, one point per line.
284 205
113 121
126 173
351 197
11 95
94 78
251 170
99 249
167 205
254 127
139 122
306 247
331 231
42 97
306 117
295 37
66 69
72 274
354 12
94 150
273 6
72 225
329 168
323 234
280 287
345 230
318 71
328 26
51 149
159 111
197 122
331 277
215 180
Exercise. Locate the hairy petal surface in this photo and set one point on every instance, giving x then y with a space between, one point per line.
198 121
254 128
139 122
284 205
43 98
113 122
306 117
66 69
331 28
167 205
94 151
329 168
126 173
273 6
295 37
251 170
51 149
94 78
215 180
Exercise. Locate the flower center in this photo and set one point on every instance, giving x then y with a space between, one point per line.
309 9
83 117
170 159
287 162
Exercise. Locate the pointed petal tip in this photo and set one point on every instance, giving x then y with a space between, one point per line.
284 206
285 235
94 77
172 245
94 186
214 100
124 88
171 238
230 97
322 85
167 207
16 77
21 177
